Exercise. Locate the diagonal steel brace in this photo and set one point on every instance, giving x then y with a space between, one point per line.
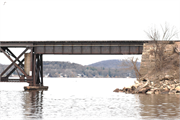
15 68
13 62
14 56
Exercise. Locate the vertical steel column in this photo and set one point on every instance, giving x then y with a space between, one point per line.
31 69
41 70
37 69
34 69
0 47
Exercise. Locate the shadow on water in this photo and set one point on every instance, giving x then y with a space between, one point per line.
160 106
33 107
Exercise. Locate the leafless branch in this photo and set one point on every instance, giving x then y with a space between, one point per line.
131 64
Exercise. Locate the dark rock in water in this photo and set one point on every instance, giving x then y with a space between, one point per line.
116 90
133 88
128 90
144 90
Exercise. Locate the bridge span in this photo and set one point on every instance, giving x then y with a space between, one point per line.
31 66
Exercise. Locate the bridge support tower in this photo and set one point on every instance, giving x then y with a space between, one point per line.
34 74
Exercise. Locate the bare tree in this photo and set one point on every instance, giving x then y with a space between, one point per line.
160 39
131 64
167 33
166 66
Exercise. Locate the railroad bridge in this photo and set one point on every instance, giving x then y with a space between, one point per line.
31 66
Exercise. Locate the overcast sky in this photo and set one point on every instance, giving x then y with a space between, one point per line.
84 20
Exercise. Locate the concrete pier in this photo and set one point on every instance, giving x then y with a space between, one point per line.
35 87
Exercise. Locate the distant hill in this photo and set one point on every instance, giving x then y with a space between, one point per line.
107 64
56 69
107 68
113 64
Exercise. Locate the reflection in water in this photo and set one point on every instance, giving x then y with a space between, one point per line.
114 107
160 106
33 104
97 102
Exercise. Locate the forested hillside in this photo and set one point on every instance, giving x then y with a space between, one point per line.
55 69
67 69
110 64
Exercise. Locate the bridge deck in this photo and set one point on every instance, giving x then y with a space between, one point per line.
79 47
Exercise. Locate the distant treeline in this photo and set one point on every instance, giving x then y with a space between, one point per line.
55 69
67 69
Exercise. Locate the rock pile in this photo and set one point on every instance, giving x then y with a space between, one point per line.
166 86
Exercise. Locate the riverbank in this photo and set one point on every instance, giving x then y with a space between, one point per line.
146 87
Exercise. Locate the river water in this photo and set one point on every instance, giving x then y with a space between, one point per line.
84 99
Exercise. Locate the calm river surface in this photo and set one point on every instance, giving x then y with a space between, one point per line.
84 99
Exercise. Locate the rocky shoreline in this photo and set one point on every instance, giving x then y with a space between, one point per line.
165 86
159 71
